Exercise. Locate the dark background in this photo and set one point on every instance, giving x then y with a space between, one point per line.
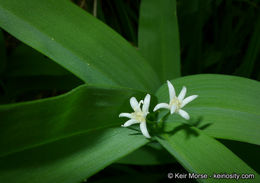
216 36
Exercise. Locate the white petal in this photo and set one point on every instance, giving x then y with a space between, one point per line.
141 102
173 108
146 103
171 90
182 93
129 122
144 130
161 105
188 100
134 104
128 115
184 114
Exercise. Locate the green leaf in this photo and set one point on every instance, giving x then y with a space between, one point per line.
86 108
71 159
77 41
249 153
153 152
201 154
228 107
158 37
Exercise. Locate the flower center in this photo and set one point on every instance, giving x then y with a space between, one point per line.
139 116
175 101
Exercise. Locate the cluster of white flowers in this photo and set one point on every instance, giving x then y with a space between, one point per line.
175 106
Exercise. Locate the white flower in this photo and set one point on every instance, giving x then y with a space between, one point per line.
139 115
176 103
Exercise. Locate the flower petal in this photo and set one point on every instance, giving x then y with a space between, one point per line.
173 108
182 93
171 90
146 104
184 114
144 130
134 104
161 105
188 100
128 115
129 122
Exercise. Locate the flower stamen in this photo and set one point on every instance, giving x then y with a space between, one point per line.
176 103
139 115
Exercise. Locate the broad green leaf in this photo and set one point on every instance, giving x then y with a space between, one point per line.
202 154
249 153
71 159
77 41
154 154
29 124
158 37
228 107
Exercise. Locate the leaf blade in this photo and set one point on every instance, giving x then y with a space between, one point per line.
78 42
72 159
58 117
158 37
201 154
227 106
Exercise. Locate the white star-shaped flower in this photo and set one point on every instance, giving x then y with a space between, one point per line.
139 115
176 103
